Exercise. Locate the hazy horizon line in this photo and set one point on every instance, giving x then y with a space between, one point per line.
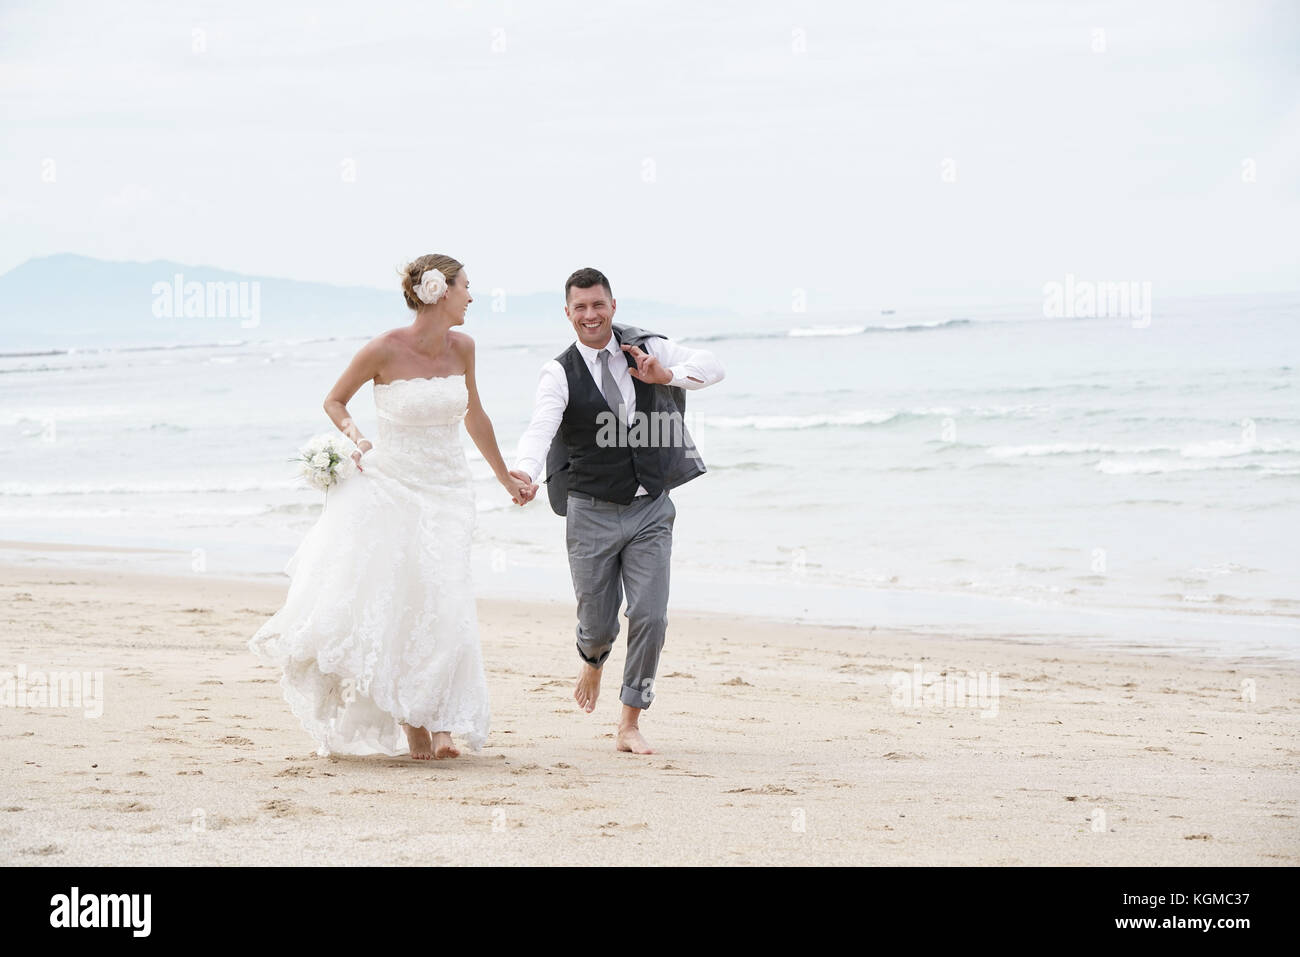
920 303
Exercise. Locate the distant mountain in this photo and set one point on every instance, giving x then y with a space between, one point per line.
68 301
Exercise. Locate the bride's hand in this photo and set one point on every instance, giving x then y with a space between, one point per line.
362 447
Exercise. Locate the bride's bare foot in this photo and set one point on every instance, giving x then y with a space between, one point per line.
418 741
442 746
587 690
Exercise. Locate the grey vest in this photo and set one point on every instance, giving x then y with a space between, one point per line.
662 457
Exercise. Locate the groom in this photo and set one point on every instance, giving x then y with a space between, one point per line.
607 420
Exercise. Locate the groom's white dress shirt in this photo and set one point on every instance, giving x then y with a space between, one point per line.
691 369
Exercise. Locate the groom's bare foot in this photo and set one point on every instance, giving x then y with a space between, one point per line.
629 735
629 739
442 746
417 739
587 690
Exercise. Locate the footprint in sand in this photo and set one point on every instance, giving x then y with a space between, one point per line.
283 807
44 850
303 771
682 772
279 807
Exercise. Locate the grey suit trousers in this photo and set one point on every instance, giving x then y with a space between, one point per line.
614 547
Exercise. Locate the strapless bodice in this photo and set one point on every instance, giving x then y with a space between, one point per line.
438 400
418 439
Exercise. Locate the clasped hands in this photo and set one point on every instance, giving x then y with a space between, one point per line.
520 486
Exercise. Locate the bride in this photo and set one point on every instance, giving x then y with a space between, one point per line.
378 635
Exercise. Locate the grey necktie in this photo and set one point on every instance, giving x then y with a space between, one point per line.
610 388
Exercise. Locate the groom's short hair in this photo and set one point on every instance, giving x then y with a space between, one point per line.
585 278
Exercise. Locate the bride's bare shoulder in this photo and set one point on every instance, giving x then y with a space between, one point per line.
393 337
375 355
387 344
463 344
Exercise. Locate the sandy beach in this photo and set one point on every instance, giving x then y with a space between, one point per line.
778 744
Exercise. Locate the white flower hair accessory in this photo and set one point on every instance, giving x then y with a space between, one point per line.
432 286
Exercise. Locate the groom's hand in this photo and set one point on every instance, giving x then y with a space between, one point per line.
648 368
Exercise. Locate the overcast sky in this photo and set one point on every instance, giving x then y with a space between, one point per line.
699 153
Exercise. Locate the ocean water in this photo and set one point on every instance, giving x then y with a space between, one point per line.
983 472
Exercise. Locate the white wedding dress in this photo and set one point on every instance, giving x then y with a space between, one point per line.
379 625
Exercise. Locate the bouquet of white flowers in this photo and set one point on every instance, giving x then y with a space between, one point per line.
326 460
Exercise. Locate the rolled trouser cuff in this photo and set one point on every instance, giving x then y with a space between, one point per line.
594 662
637 697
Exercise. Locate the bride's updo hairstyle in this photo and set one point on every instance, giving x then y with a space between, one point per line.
413 270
